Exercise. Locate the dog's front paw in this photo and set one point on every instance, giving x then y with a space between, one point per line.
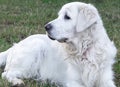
18 83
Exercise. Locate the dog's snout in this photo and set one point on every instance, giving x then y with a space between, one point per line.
48 27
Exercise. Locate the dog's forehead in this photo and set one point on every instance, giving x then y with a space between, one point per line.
73 4
71 7
67 8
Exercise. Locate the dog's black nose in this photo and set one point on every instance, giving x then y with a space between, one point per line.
48 27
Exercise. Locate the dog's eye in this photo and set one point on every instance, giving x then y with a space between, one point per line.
67 17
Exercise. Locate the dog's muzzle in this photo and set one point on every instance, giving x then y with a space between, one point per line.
48 28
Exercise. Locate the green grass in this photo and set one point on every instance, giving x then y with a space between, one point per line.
21 18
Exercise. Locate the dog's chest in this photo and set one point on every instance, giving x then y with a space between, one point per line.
86 72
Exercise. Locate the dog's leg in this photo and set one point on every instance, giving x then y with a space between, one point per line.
13 77
106 78
73 77
74 84
109 83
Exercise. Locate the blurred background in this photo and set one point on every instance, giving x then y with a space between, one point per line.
22 18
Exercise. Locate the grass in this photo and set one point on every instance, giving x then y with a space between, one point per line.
21 18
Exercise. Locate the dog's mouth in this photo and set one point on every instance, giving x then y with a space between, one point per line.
63 40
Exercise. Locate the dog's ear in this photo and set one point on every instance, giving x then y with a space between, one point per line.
86 17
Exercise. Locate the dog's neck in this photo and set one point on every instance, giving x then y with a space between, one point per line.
78 46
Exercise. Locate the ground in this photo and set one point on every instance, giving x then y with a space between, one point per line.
21 18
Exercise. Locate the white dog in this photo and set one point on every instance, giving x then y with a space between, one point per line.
82 54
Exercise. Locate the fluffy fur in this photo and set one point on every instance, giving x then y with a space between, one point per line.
82 54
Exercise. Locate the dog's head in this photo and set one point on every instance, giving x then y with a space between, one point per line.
72 18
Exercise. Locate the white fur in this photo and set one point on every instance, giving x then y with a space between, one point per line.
85 59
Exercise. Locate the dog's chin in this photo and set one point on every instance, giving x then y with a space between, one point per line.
51 37
62 40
